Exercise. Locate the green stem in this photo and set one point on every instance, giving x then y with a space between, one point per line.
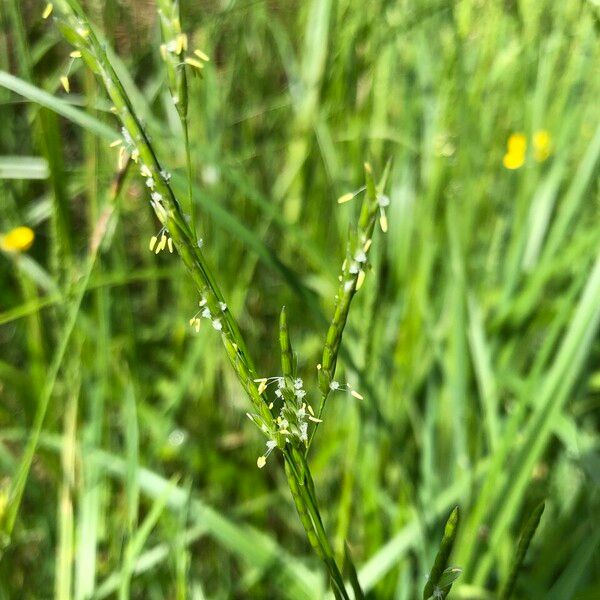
303 491
188 160
351 277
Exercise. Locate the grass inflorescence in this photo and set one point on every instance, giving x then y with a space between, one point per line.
170 182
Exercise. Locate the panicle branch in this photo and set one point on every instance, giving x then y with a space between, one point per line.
136 144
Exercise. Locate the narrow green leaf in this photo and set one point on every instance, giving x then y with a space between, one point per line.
23 167
287 362
441 560
43 98
352 574
527 534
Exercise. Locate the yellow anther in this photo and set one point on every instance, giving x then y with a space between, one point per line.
75 54
383 222
194 63
153 241
170 244
64 80
181 43
261 461
360 280
122 158
357 395
201 55
162 244
345 198
48 10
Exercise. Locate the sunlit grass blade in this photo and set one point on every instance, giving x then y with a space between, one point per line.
57 105
137 541
23 167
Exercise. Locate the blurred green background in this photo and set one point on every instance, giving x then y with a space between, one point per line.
474 339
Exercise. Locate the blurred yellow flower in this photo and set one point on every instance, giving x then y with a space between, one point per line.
516 150
517 143
542 145
513 160
18 239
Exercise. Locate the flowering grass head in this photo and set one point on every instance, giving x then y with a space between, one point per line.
174 52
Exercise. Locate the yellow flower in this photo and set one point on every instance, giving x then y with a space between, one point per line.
517 143
18 239
542 145
513 160
516 150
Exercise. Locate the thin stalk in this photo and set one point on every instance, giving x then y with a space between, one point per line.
173 51
351 278
169 211
188 161
302 486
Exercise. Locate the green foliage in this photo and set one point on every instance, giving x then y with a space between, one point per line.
527 534
441 577
474 338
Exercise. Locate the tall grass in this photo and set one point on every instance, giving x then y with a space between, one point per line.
472 339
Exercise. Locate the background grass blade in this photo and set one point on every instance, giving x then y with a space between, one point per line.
473 341
436 582
59 106
527 534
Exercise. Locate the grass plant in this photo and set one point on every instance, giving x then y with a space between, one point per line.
193 406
